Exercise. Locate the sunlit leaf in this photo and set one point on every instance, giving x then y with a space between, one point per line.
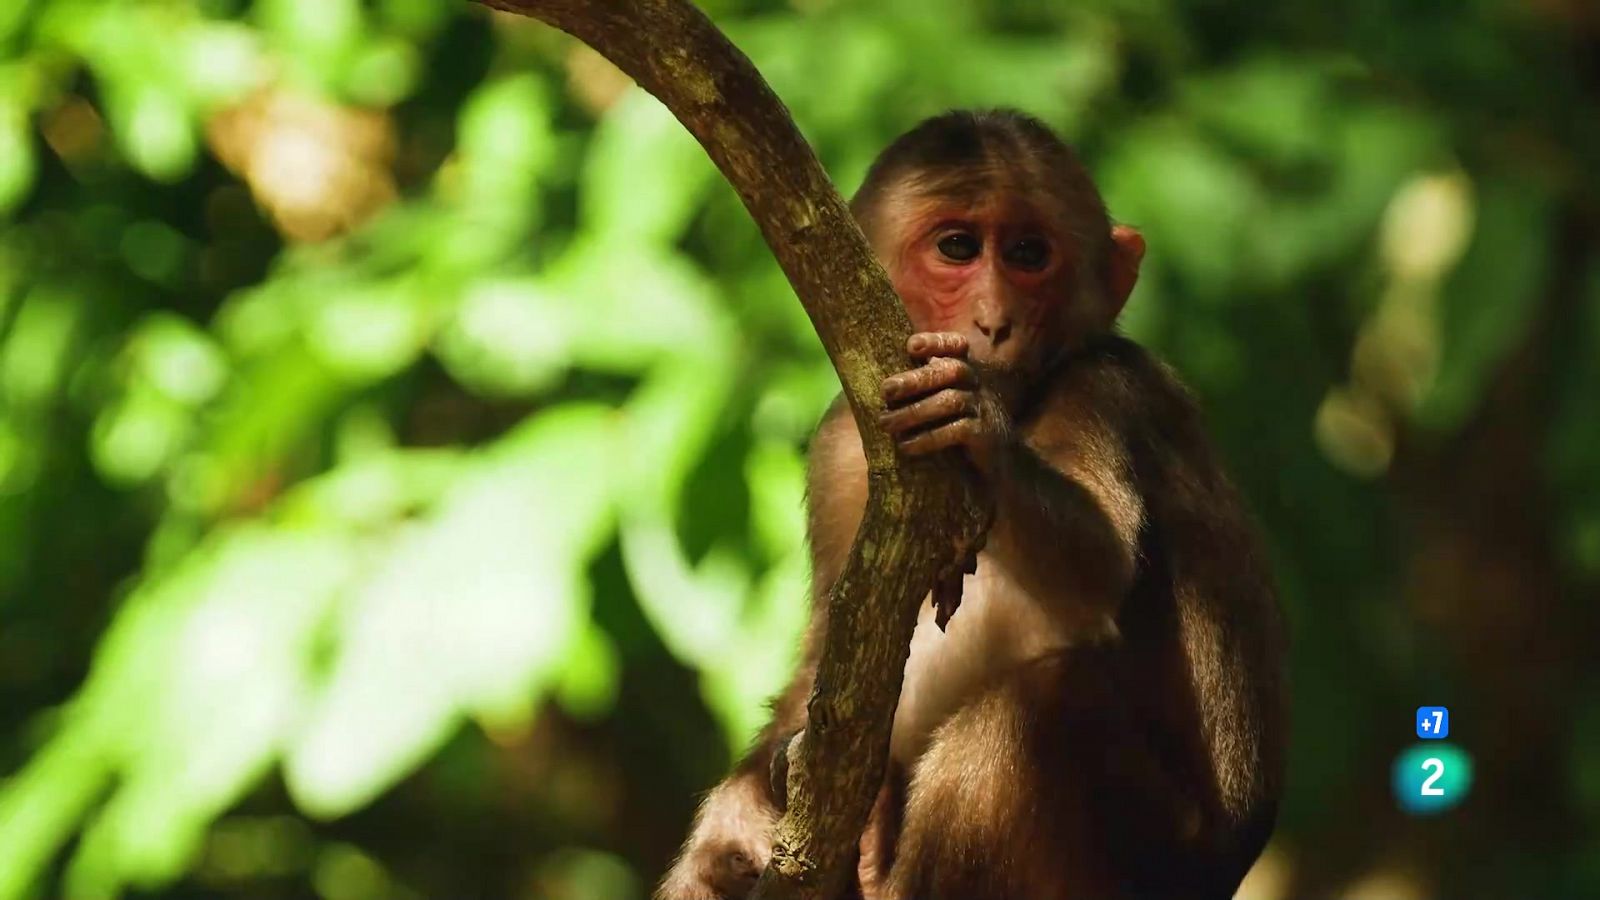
12 17
758 663
505 145
505 129
638 307
17 162
316 35
376 490
194 690
643 176
694 606
179 360
135 438
511 336
418 18
468 613
221 61
41 805
833 75
152 127
370 331
588 680
34 357
383 72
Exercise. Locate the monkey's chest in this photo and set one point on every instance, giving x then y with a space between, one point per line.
997 629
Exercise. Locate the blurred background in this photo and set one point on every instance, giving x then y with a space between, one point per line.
402 424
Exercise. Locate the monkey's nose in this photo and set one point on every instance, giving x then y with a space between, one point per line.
996 333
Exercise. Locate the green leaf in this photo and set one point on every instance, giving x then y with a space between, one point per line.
178 360
316 37
135 438
37 352
18 165
590 675
152 127
643 177
468 612
505 141
1194 203
1486 304
369 331
220 62
510 336
633 309
193 691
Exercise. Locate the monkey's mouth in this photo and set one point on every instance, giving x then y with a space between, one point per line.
1007 379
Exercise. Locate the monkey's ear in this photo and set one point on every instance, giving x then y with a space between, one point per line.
1127 250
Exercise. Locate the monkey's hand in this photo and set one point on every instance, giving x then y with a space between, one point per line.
729 847
720 872
943 403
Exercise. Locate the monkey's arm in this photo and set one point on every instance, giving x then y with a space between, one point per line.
1067 509
1067 512
836 496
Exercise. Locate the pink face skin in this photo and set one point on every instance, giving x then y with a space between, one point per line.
994 270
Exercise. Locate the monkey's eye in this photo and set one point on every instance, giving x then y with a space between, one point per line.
1028 253
960 246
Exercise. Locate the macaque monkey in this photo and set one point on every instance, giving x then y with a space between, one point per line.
1105 715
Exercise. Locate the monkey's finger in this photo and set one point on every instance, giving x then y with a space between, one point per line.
946 598
948 404
959 433
924 344
936 374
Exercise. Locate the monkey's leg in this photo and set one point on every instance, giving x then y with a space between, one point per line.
1055 784
997 807
879 837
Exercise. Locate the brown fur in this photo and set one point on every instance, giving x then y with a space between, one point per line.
1104 716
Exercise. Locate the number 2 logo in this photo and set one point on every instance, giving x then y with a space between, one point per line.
1431 777
1436 765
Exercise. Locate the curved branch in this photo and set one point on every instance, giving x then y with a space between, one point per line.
922 518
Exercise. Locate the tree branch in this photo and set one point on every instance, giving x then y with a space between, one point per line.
922 518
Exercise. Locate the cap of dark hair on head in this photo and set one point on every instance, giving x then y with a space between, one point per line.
970 146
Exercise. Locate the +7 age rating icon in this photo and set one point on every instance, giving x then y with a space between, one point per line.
1433 723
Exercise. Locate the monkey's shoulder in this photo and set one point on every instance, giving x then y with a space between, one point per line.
1115 371
1121 389
1117 403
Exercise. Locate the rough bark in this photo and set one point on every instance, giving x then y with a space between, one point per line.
922 517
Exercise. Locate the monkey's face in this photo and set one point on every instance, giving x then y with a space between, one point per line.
993 266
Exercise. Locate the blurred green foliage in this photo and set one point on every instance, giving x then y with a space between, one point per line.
402 424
